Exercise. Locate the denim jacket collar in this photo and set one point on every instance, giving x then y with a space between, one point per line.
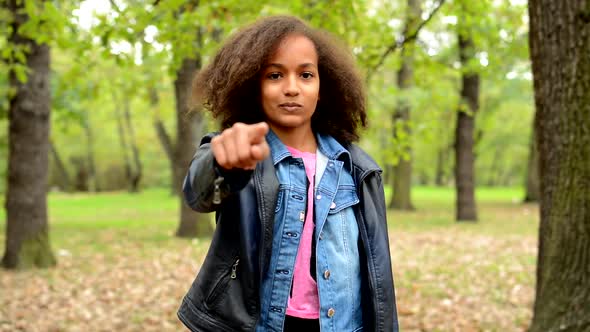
326 144
278 149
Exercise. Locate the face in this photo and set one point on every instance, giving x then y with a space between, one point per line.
290 85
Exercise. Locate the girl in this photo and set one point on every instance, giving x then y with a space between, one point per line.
301 239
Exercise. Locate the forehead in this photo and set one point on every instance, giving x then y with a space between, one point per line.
294 48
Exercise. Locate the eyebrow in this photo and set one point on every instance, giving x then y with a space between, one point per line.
303 65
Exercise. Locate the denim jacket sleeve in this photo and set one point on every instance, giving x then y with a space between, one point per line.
205 177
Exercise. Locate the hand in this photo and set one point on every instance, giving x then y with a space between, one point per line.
241 146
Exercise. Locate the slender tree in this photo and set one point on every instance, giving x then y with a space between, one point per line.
27 230
439 171
163 137
464 132
402 171
123 137
135 175
559 40
64 178
179 25
93 182
189 130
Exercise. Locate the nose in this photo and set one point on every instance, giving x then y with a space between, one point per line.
291 87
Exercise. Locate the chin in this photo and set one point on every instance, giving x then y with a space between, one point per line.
289 121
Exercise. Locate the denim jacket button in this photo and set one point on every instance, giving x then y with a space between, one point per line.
333 206
331 312
327 274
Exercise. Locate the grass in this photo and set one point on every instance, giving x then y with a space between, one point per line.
114 248
152 215
86 222
500 212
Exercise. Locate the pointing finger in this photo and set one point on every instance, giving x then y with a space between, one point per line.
260 151
257 132
219 152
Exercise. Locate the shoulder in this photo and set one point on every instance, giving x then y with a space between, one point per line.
208 137
362 159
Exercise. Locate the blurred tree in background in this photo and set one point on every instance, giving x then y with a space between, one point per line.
121 71
466 114
134 50
27 57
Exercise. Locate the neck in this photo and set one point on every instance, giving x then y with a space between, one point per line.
301 138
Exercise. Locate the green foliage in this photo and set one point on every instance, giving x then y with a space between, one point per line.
43 25
45 21
132 50
3 153
4 86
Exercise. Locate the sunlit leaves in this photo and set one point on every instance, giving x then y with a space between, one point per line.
45 23
137 46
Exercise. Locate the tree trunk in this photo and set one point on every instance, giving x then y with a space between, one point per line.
90 153
27 229
532 176
495 171
559 43
388 171
154 98
122 138
189 131
441 176
442 172
137 169
81 177
402 172
64 180
168 147
464 141
439 170
163 136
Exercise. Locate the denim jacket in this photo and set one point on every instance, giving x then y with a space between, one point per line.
228 295
338 273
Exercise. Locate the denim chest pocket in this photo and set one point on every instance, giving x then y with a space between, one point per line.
280 200
288 194
345 197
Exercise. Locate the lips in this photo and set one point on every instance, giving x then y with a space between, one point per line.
290 106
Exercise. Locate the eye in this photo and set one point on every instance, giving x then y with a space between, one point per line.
274 76
307 75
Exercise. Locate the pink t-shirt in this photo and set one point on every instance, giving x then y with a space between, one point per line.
304 301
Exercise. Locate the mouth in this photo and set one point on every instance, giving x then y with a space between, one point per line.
290 106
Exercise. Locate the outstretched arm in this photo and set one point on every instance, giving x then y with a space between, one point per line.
223 164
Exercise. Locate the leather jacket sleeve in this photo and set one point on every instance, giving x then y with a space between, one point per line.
205 177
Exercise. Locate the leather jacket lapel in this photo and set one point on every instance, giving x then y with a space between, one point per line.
267 188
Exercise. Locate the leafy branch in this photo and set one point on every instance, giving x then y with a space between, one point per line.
401 42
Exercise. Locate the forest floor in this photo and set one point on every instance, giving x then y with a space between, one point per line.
121 269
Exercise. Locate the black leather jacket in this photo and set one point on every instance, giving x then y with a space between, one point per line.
225 293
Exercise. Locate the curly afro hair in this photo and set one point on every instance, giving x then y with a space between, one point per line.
229 86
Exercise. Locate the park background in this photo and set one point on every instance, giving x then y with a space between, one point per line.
450 121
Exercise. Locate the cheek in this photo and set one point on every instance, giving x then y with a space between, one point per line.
314 92
266 99
267 93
